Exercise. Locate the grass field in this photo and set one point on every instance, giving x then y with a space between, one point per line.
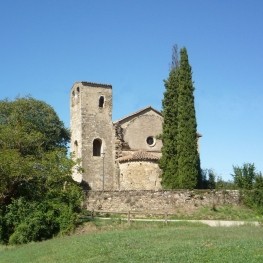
223 212
141 242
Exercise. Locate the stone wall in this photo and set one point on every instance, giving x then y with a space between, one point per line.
158 201
140 175
137 130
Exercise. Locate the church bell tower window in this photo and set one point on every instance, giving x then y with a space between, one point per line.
101 102
97 145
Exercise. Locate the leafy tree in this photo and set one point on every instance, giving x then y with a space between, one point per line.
168 161
38 197
211 180
30 125
244 177
258 184
208 179
250 183
222 184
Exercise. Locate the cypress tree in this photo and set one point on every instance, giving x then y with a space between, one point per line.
168 161
188 161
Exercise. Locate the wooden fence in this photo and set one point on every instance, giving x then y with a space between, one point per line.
130 215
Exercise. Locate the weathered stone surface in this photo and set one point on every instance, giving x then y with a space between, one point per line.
89 121
140 175
138 129
158 201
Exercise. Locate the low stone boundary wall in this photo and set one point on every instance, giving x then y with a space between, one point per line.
159 201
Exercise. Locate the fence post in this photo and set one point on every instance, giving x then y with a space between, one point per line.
165 217
129 217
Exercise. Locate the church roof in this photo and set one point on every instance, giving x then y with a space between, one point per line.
139 112
139 156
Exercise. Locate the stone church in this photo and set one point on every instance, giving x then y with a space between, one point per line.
115 155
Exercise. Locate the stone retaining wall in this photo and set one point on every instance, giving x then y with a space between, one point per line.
158 201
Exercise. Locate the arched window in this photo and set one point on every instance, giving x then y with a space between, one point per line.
97 143
73 98
101 101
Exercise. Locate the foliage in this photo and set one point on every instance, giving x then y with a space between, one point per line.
208 179
254 199
250 183
180 160
211 181
38 197
168 161
28 125
224 185
245 177
36 221
189 172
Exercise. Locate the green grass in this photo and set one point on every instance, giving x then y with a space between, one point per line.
222 212
141 242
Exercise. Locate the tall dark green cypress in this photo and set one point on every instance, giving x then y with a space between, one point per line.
188 161
168 161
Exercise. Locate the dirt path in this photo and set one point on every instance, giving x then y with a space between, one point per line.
213 223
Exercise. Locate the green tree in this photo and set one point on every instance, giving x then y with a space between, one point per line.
258 181
180 160
38 197
208 179
250 184
189 172
31 125
168 161
246 177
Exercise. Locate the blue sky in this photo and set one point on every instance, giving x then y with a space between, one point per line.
48 45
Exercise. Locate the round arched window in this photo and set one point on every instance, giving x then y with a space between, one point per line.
97 145
151 141
101 101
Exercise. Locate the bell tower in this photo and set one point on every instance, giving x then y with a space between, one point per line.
92 133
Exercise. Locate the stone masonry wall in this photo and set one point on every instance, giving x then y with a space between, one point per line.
140 176
158 201
141 127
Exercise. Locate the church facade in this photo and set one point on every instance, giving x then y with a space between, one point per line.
115 155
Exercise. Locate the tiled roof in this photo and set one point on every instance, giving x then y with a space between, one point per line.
139 156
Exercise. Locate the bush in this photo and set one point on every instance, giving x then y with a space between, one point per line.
250 183
36 221
253 199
